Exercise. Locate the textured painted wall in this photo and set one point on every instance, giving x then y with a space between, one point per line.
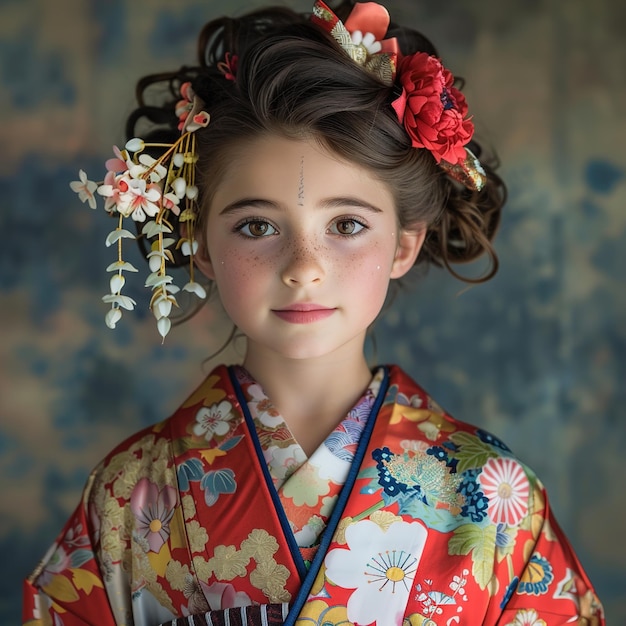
538 355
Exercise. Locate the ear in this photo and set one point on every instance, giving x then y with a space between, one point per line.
202 261
410 243
201 258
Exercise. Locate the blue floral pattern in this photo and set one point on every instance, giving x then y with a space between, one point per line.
537 577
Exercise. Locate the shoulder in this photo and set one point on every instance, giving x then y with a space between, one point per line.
491 484
407 400
153 452
482 502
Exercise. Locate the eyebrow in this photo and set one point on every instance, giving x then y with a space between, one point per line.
326 203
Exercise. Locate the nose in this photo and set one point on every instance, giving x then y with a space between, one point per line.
303 264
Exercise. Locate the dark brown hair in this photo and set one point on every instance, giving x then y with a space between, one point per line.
293 79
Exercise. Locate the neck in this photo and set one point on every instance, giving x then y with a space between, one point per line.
313 395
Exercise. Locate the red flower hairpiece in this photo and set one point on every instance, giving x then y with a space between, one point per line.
434 114
431 109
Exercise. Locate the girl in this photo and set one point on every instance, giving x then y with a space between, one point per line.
305 163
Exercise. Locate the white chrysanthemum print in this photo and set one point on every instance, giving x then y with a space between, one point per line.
506 486
380 566
527 617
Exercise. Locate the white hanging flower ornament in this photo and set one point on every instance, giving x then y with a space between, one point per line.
149 190
84 188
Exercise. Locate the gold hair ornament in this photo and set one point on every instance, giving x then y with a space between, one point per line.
149 190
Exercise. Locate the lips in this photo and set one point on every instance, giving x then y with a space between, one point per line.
304 313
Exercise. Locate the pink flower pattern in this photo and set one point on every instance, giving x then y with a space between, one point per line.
153 509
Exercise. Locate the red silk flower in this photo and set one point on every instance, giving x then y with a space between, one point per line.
432 110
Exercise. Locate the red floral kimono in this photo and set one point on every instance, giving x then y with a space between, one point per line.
403 516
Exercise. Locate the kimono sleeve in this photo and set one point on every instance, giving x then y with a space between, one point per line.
67 587
550 587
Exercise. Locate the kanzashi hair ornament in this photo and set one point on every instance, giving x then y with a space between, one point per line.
362 36
228 66
432 111
145 189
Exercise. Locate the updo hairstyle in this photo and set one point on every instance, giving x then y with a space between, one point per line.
293 80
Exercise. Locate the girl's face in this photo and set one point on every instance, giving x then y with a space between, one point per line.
301 246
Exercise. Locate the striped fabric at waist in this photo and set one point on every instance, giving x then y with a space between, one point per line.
264 615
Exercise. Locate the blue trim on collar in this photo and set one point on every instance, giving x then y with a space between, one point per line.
340 505
278 505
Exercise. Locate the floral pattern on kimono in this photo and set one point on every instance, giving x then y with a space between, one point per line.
437 523
307 487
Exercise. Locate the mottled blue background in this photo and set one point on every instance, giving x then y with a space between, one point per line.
537 355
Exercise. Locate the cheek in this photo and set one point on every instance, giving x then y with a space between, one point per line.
238 273
371 264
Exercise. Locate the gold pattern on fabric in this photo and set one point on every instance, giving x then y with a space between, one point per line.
259 545
202 567
548 531
271 578
328 504
430 475
340 533
384 519
111 545
124 484
198 536
113 514
413 414
228 563
117 466
177 575
189 506
320 580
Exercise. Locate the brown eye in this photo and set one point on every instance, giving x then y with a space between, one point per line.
347 227
256 228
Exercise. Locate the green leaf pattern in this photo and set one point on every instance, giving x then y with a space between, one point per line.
481 543
472 453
